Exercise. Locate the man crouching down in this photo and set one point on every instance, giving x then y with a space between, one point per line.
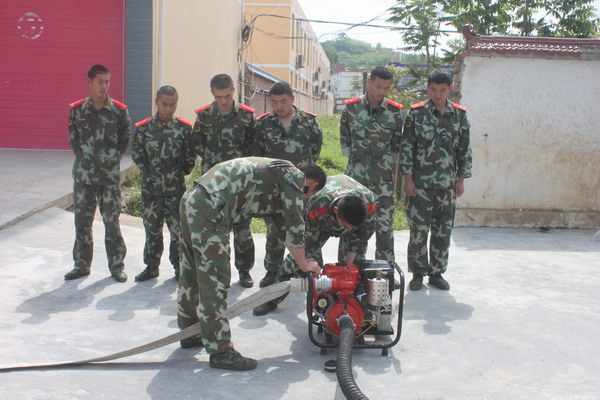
229 193
337 206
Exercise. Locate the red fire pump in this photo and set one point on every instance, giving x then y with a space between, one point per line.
360 292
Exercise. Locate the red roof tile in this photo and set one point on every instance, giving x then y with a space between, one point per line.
526 44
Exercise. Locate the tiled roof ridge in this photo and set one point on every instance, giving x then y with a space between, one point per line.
526 44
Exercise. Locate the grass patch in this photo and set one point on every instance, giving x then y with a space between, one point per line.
331 160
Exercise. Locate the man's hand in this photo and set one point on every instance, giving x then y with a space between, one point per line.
310 265
409 186
460 186
305 264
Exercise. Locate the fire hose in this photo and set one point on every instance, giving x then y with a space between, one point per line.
248 303
344 360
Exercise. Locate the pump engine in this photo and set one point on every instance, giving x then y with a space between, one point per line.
362 292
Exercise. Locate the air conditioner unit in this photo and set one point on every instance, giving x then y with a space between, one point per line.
300 61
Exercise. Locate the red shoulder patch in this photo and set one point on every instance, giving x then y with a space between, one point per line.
371 208
311 113
143 122
119 104
352 101
200 109
459 106
185 121
319 212
417 105
395 104
246 108
262 115
76 103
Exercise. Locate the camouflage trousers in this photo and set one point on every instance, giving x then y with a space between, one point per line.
155 210
274 248
243 246
205 273
314 242
431 210
85 200
384 230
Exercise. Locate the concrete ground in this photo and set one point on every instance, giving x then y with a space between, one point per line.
521 321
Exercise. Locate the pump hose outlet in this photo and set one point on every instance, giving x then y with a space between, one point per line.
344 360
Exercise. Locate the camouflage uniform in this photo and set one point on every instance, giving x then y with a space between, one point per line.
301 145
229 192
220 138
436 151
164 154
99 139
370 138
321 224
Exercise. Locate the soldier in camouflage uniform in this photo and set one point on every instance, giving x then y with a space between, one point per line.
99 131
339 207
435 159
288 134
162 149
229 192
370 135
223 131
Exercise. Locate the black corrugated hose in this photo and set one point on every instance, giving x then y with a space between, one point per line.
344 360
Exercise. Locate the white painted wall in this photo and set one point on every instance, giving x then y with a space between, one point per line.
535 135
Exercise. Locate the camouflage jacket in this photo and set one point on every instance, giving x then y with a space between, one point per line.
370 138
220 138
258 187
435 148
164 154
320 216
301 145
99 138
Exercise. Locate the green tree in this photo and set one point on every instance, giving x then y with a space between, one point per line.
423 19
553 18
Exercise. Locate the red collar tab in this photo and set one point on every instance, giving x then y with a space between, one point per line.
395 104
246 108
319 212
185 121
143 122
459 106
200 109
371 208
119 104
76 103
352 101
311 113
262 115
418 105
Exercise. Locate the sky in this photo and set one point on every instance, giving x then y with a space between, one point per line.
356 11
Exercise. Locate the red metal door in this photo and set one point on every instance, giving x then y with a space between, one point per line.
46 48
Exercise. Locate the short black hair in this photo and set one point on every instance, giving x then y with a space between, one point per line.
316 173
352 209
221 81
167 91
440 77
280 88
97 70
382 73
